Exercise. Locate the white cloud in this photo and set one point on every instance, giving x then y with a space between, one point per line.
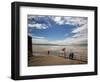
71 41
81 33
32 22
38 26
38 39
80 29
58 20
80 36
34 16
75 20
31 16
67 41
69 20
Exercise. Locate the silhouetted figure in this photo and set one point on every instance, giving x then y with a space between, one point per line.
71 55
48 52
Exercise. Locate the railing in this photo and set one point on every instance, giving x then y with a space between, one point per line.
42 50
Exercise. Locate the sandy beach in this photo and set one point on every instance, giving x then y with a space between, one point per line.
52 60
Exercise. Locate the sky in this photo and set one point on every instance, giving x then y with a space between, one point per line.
61 30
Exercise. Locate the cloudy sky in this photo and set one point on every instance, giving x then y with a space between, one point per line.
62 30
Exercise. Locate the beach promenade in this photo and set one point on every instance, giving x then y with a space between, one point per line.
52 60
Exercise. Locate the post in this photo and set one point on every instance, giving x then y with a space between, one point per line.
29 46
64 50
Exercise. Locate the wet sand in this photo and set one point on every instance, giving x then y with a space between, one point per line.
52 60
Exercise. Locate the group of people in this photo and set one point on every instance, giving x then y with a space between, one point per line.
71 54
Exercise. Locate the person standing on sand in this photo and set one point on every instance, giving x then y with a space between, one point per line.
71 55
48 52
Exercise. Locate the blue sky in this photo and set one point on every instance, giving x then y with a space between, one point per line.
58 29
